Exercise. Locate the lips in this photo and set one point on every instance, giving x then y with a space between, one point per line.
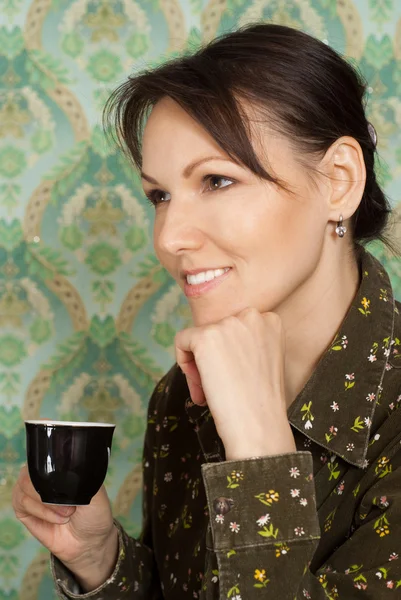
204 276
199 288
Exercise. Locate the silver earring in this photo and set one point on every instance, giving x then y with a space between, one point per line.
341 230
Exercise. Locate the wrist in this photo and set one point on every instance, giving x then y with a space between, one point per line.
98 565
282 442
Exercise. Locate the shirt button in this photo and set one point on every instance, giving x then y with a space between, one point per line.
222 505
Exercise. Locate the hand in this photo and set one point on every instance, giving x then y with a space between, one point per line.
236 366
84 538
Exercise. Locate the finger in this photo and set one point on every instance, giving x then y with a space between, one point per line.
43 531
184 350
24 487
25 483
25 507
185 345
196 392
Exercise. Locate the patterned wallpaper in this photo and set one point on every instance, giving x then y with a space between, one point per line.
87 315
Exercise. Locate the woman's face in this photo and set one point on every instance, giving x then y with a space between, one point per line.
213 214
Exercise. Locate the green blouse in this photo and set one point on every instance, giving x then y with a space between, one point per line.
321 523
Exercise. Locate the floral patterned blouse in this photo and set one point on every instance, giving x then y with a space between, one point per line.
321 523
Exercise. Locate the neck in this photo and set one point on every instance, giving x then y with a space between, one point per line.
313 315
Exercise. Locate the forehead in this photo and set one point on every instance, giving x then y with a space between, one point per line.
168 118
172 137
171 134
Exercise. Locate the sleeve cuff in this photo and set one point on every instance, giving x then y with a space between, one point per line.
261 501
68 588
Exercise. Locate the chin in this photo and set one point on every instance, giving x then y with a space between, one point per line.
207 315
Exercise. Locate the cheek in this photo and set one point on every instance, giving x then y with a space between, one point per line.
278 222
286 240
156 236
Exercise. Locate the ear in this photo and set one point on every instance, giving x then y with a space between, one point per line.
344 164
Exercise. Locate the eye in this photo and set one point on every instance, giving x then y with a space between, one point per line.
156 197
217 182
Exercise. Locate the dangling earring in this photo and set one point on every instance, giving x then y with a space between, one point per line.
341 230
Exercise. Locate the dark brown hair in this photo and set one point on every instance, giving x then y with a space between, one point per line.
304 88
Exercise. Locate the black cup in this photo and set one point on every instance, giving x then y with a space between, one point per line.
68 461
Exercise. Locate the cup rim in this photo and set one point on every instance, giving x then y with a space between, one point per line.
68 423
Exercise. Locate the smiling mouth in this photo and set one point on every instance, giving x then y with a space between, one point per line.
203 282
205 276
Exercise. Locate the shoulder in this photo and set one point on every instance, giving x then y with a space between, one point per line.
170 393
395 354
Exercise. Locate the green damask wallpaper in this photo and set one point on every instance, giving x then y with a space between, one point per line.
87 316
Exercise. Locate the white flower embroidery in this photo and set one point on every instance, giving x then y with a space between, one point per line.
235 527
219 518
370 397
295 493
308 424
263 520
303 502
334 406
350 376
168 477
299 531
350 447
372 358
368 421
294 472
393 556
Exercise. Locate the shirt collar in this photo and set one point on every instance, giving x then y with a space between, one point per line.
336 407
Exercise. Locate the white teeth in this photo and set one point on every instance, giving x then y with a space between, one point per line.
205 276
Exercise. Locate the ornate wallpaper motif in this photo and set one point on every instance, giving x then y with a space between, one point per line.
87 315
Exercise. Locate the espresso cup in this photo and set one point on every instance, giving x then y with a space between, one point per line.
68 461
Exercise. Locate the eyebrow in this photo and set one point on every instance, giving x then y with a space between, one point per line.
187 172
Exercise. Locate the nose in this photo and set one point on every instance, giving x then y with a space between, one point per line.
179 229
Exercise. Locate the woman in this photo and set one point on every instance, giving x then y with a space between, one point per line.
272 455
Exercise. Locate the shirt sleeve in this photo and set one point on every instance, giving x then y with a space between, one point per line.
135 574
264 524
264 532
